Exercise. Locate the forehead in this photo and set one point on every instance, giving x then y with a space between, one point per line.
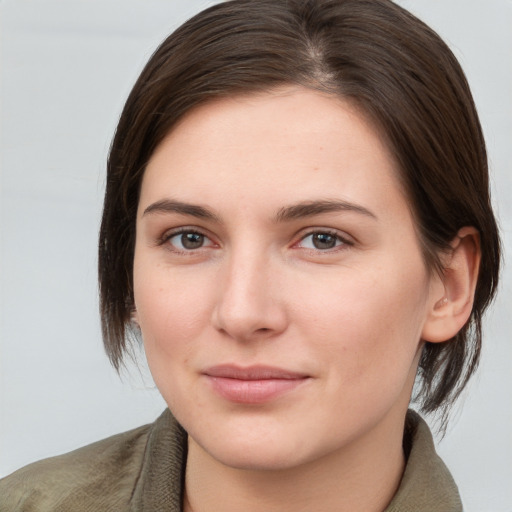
289 143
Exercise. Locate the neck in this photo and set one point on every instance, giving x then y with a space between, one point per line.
337 482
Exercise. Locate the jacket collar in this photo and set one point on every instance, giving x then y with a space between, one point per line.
426 485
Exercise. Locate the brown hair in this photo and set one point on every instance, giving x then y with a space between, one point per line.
371 52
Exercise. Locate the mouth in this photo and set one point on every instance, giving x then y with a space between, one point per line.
254 384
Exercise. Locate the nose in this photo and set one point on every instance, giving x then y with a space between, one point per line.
250 303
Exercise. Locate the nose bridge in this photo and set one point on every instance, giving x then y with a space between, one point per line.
248 303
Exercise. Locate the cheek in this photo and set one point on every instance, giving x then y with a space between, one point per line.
170 316
367 321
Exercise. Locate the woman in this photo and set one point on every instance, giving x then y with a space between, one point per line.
297 224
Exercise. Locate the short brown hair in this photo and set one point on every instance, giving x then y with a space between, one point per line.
371 52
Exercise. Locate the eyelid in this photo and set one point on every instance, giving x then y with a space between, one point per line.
343 237
171 233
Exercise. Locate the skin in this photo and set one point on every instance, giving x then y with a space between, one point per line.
350 316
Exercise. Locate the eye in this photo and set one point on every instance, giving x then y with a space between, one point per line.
188 240
322 241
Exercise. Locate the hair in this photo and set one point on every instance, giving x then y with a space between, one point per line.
372 53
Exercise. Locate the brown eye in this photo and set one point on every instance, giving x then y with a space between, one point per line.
188 240
322 241
192 240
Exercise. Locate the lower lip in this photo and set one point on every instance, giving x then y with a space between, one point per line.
253 391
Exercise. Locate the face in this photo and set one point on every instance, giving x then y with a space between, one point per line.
279 283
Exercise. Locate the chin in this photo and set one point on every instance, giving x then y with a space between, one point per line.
260 447
256 457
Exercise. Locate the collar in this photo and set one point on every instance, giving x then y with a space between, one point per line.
426 485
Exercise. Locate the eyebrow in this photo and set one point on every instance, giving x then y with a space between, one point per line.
287 213
311 208
171 206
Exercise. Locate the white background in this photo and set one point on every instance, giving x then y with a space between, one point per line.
66 69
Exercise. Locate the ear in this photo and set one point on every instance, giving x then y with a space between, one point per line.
451 297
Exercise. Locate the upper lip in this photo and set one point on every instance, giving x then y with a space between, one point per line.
256 372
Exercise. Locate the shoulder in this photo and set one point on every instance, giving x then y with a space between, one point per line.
99 476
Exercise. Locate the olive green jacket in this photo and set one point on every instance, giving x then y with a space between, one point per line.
143 471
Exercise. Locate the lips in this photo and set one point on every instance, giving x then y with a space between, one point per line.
252 385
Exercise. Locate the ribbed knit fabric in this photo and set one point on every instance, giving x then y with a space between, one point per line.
426 485
159 487
143 471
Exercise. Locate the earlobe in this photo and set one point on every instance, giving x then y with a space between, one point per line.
449 311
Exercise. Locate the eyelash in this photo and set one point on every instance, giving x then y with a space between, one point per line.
341 242
169 235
